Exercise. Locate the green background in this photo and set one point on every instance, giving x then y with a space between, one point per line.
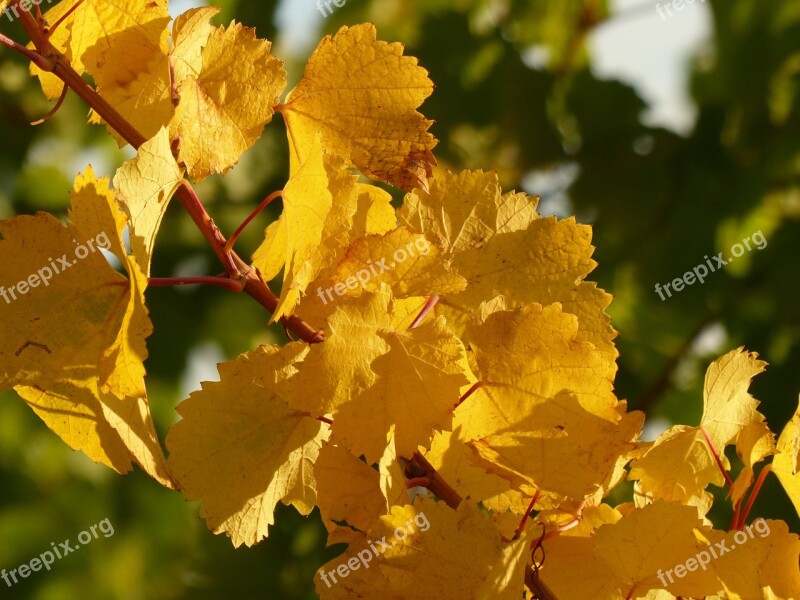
659 202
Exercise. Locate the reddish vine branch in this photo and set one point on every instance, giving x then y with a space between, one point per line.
49 59
419 469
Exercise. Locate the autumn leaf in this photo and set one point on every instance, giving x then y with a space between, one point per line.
760 561
75 344
145 186
361 94
532 356
729 407
359 503
786 464
240 449
577 546
683 452
417 383
320 200
223 111
371 371
112 40
454 554
406 262
650 540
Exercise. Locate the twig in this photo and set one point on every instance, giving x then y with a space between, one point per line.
54 61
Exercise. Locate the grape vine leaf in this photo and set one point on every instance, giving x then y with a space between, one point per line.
240 449
361 94
501 246
786 463
373 260
76 353
223 111
460 547
144 187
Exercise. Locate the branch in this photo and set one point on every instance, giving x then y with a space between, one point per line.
420 470
50 59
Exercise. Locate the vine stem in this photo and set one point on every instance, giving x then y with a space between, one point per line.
49 59
231 284
525 517
420 470
475 387
253 215
716 457
753 495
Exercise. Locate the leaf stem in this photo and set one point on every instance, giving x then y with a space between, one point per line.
525 517
32 56
53 110
231 284
753 495
716 457
232 240
429 306
475 387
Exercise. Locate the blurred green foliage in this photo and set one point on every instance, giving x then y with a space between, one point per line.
659 203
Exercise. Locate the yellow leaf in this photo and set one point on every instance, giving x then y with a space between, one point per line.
786 463
678 467
753 444
361 95
112 40
75 344
223 111
145 186
416 387
392 477
561 448
369 370
190 34
451 458
528 357
374 215
466 210
338 371
640 547
729 408
359 503
319 202
506 580
147 102
240 449
760 561
405 261
501 247
596 579
450 551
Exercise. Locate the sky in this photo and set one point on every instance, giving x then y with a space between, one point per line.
652 52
